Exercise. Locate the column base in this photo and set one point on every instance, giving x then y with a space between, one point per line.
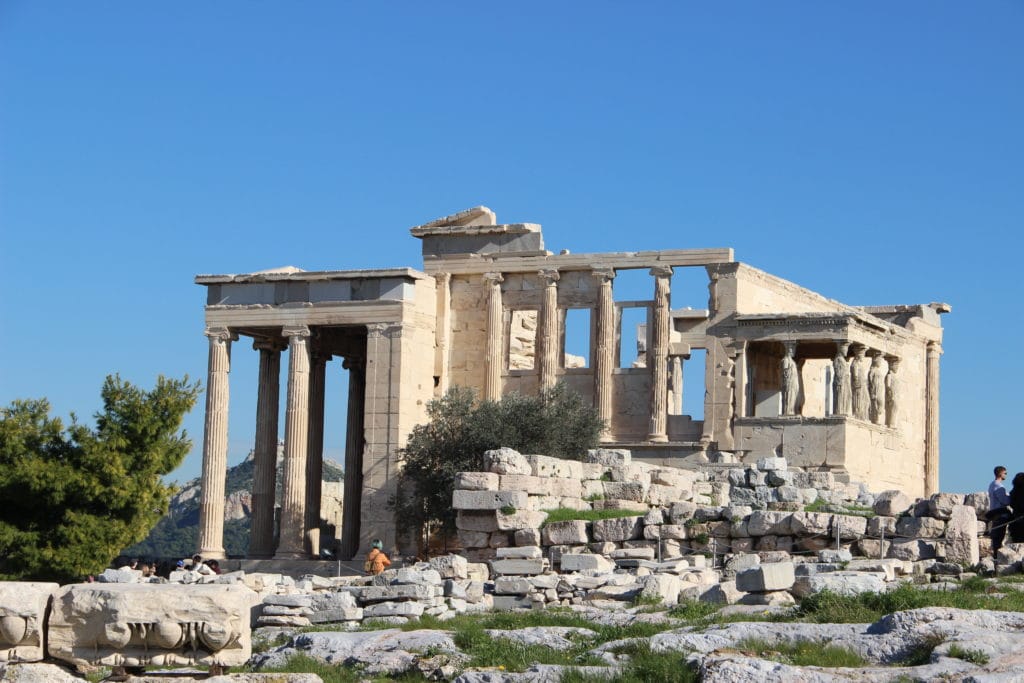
212 553
657 438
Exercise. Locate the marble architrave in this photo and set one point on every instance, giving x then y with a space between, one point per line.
140 624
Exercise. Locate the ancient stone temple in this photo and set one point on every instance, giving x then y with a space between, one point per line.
849 389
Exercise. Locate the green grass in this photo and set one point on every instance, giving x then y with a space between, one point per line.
973 656
644 666
801 654
565 514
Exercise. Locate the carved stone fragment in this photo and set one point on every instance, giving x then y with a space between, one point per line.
22 612
150 625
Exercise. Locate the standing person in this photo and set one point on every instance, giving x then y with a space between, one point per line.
376 560
998 509
1017 503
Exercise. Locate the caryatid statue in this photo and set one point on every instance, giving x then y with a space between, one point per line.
790 380
876 389
859 369
842 395
892 392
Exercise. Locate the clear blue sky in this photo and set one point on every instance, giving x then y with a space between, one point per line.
873 152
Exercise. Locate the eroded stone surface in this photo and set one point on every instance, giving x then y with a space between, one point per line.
22 615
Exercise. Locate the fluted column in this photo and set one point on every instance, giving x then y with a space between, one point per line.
296 434
443 333
657 358
315 452
215 445
495 351
604 355
549 329
261 535
740 371
931 428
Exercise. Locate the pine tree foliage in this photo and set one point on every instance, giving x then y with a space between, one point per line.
72 497
557 422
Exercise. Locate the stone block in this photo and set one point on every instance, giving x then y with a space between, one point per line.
962 536
775 576
877 526
940 505
526 537
499 539
450 566
476 481
912 550
658 494
394 609
536 486
811 523
920 527
488 500
575 562
609 457
892 503
150 625
506 461
762 523
564 488
512 585
470 520
617 529
517 567
543 502
505 603
546 466
473 539
663 587
625 490
411 591
771 464
520 519
849 527
22 615
568 532
682 511
575 504
520 553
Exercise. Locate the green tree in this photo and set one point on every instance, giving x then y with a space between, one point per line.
72 497
556 422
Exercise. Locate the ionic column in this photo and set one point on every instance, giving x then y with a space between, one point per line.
548 356
892 392
677 385
296 434
443 333
315 452
657 358
604 355
495 352
215 445
931 427
261 536
354 444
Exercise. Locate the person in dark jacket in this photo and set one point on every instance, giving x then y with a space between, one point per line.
1017 505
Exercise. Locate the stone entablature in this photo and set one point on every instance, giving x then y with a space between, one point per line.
490 311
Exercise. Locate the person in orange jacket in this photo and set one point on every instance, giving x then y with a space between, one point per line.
376 560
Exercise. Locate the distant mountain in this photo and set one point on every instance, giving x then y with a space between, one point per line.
176 534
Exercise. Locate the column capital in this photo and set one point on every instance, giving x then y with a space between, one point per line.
736 347
661 271
388 330
842 347
493 278
296 332
603 274
269 344
893 361
935 347
223 334
549 275
443 277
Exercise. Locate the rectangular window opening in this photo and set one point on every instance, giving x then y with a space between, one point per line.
633 337
694 387
576 344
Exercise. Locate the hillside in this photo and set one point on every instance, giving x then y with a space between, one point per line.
175 535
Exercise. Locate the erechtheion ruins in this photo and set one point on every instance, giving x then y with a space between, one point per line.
849 389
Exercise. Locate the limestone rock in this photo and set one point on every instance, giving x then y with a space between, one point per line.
841 582
617 529
775 576
568 532
892 503
962 536
506 461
